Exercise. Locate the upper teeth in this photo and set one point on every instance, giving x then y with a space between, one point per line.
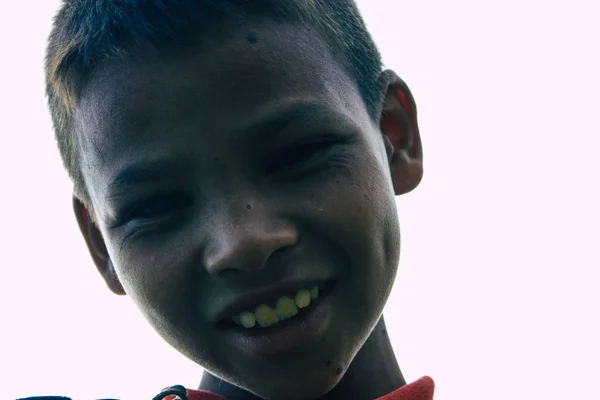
285 307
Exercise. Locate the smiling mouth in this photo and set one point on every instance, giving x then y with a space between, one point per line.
280 311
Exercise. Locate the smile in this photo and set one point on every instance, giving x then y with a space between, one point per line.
284 308
287 323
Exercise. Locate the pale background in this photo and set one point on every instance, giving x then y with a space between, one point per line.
497 295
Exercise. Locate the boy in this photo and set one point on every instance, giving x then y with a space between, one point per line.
235 165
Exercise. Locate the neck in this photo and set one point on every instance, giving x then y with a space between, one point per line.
373 373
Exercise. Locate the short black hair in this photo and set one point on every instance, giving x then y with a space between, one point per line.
87 32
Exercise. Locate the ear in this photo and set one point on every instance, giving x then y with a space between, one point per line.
96 246
400 132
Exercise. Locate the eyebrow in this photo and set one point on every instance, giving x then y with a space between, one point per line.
269 126
276 121
144 172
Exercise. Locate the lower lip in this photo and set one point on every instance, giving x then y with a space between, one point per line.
280 339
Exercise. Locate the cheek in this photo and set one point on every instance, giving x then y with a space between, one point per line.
358 211
359 217
164 280
153 274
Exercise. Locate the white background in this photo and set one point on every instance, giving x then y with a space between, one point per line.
497 295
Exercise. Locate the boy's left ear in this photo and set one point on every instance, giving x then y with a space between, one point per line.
400 130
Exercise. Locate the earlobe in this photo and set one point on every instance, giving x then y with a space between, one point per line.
400 131
96 246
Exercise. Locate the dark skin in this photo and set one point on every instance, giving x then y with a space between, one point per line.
241 198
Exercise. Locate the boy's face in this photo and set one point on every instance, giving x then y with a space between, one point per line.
250 165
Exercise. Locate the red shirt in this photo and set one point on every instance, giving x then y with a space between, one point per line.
418 390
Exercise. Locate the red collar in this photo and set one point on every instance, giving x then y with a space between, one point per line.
418 390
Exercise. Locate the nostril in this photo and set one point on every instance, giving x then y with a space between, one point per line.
246 245
280 250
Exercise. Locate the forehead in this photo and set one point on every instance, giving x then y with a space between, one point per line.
231 80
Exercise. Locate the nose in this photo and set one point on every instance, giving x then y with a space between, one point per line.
244 238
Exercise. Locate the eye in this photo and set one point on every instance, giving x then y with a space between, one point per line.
159 206
296 156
